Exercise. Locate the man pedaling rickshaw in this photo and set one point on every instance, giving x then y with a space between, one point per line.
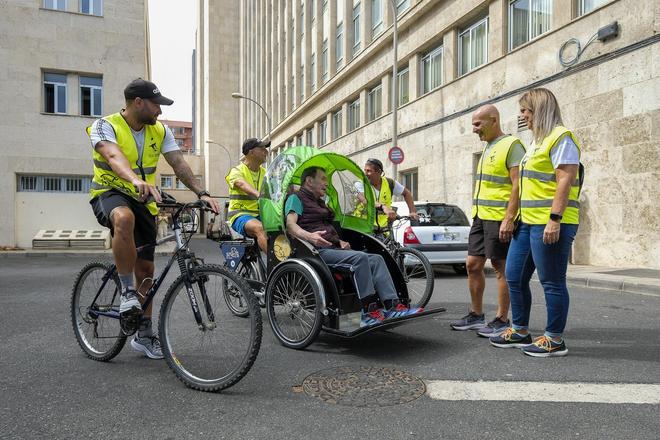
309 218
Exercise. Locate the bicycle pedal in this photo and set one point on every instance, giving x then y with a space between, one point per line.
129 321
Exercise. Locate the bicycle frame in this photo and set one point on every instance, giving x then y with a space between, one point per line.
181 254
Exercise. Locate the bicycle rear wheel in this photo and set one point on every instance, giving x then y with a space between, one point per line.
218 353
419 276
99 336
235 301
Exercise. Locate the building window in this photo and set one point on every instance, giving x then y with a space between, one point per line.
302 83
376 18
356 28
309 135
339 47
302 18
402 85
166 182
292 104
527 20
313 10
54 92
91 7
374 103
432 70
312 71
58 5
324 61
91 96
322 134
587 6
409 180
65 184
473 46
336 124
402 5
180 184
354 115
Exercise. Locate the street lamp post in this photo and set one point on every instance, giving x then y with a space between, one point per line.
394 85
238 95
229 161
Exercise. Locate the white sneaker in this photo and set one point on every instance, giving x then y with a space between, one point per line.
150 346
129 302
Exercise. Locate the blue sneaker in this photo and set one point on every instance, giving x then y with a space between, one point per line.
401 310
511 338
494 328
471 321
543 346
372 318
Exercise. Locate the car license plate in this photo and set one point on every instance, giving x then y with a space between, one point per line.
444 236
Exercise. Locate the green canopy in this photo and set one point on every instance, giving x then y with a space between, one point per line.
345 181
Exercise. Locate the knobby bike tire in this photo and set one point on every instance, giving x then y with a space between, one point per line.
100 338
198 359
425 271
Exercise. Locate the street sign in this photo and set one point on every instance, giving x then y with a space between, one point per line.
395 155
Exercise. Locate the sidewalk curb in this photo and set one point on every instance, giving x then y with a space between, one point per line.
617 283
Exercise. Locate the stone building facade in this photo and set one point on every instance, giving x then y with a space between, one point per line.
64 63
322 70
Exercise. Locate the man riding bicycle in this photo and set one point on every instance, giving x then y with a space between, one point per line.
384 188
126 148
244 182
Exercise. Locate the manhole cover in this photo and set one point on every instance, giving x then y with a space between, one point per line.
364 386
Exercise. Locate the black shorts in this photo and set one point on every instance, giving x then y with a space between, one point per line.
145 224
485 241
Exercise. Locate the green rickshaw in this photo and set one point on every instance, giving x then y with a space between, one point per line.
302 294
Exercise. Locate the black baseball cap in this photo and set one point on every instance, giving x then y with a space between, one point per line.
141 88
254 143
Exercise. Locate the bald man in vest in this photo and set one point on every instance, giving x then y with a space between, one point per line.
494 211
126 147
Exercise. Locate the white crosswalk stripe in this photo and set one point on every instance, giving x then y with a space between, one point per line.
637 393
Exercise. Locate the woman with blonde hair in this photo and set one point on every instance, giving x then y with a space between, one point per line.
550 181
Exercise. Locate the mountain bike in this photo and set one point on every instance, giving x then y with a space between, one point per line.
206 346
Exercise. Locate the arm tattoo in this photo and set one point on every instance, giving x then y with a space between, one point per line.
182 170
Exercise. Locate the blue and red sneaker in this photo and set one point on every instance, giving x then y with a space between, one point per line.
400 310
372 318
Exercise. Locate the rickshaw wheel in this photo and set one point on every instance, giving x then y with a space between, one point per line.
293 305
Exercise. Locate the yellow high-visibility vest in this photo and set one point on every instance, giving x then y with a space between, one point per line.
239 202
384 198
106 179
538 183
492 186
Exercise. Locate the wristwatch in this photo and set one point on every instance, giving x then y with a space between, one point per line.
203 193
555 217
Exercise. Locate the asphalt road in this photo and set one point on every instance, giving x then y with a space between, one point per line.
49 389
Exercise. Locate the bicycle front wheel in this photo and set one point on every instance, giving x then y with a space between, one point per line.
419 276
216 353
97 333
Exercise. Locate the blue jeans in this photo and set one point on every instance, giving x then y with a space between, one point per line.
527 252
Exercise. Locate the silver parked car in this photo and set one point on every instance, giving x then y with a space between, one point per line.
441 233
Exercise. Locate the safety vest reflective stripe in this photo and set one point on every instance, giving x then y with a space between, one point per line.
494 179
106 166
242 211
95 185
545 177
546 203
242 197
494 203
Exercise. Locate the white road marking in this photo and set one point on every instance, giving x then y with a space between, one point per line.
636 393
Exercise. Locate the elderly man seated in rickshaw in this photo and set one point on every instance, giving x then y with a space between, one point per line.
308 218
